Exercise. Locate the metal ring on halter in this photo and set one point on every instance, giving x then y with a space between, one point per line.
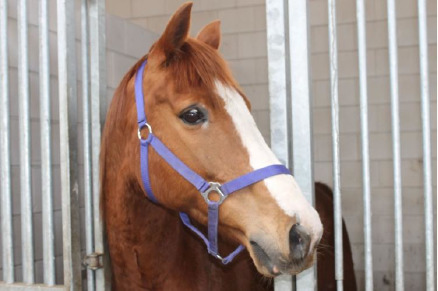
218 257
214 187
141 127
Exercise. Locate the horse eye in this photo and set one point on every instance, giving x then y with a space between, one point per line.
193 116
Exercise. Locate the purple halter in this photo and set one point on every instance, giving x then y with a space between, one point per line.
197 181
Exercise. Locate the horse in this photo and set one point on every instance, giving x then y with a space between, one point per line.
197 109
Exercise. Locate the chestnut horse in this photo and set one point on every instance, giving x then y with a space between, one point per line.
196 108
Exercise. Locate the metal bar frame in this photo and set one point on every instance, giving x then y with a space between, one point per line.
33 287
98 111
276 37
46 160
276 21
393 69
287 26
362 54
333 53
5 168
88 191
68 144
427 167
24 128
301 114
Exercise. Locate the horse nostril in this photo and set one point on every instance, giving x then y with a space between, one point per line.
299 242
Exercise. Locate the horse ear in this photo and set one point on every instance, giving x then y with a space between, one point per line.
177 30
211 34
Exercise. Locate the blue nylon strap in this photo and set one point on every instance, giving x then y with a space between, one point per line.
196 180
253 177
231 256
186 221
144 164
213 219
139 98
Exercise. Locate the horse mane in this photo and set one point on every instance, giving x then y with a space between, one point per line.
113 113
324 188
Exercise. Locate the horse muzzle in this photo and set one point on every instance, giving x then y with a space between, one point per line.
271 262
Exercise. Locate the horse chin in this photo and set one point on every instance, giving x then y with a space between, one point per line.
272 265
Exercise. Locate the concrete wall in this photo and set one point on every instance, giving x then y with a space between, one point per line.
244 47
126 42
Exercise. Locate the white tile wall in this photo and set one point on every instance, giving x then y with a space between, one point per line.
142 8
252 45
200 19
120 8
237 20
229 46
258 95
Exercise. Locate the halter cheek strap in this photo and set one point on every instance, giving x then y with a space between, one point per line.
204 187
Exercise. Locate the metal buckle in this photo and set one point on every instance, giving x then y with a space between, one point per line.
93 261
141 127
214 187
217 256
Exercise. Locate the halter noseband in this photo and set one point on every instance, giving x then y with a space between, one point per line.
204 187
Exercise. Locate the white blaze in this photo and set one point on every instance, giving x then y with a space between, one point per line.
283 188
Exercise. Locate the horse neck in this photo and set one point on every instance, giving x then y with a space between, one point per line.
157 233
154 239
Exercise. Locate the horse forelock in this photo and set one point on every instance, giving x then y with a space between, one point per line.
196 65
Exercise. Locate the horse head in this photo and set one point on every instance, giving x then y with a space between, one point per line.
198 110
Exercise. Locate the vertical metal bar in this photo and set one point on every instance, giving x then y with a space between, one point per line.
301 113
339 268
5 170
89 229
24 127
277 78
68 144
276 36
46 160
362 50
393 69
98 110
427 168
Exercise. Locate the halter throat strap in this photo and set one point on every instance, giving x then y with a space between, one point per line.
204 187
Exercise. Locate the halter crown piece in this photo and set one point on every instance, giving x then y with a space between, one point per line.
197 181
